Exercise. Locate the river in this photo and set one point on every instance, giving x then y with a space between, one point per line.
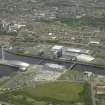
6 70
32 60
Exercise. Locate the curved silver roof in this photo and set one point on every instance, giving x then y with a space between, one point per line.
18 63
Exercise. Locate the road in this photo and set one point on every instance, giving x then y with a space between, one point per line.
93 93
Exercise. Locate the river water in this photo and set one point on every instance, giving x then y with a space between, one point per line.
5 70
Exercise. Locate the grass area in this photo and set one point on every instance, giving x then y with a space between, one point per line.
8 33
83 21
63 93
70 74
5 80
59 91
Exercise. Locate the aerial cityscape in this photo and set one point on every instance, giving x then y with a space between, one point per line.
52 52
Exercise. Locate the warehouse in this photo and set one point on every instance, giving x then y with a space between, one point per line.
57 51
85 58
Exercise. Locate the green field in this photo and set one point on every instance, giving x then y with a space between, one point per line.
63 93
70 74
59 91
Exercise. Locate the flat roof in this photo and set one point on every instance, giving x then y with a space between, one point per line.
76 50
54 66
73 50
94 42
57 47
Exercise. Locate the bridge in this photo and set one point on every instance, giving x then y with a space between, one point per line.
15 63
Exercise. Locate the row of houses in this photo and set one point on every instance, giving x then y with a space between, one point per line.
9 27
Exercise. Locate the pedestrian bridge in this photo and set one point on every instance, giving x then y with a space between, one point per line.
15 63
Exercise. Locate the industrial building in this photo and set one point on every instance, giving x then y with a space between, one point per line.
85 58
76 50
100 89
57 51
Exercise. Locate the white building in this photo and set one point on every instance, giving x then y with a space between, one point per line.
57 51
85 58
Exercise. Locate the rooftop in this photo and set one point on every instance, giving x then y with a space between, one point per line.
57 47
85 58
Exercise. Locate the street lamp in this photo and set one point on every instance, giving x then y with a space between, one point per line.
3 47
3 53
